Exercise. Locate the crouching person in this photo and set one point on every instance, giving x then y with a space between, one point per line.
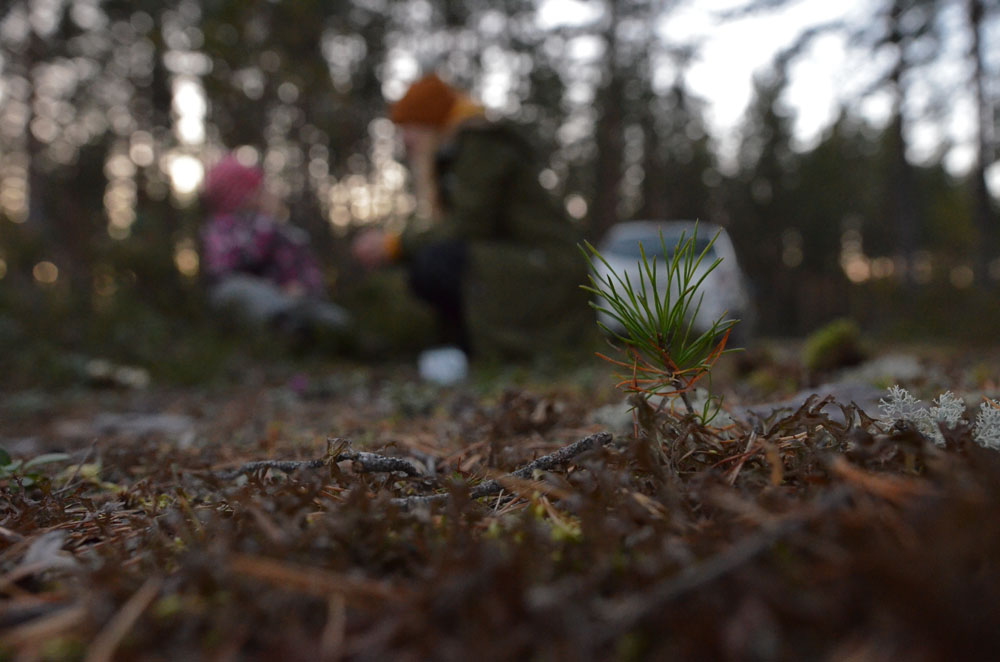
258 267
500 263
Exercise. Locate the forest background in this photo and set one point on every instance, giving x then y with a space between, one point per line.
109 109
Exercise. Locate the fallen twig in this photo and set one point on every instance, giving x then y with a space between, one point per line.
735 471
71 481
311 580
35 632
368 462
626 615
287 466
545 463
107 640
895 489
375 463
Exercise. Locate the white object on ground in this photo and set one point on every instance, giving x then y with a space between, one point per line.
443 365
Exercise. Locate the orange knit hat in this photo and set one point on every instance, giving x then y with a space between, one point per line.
429 101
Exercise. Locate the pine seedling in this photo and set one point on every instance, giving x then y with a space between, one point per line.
660 349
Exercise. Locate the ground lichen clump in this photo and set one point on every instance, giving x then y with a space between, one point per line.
948 410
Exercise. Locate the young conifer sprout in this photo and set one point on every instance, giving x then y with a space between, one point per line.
662 352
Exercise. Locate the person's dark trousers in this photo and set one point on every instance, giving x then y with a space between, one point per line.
436 275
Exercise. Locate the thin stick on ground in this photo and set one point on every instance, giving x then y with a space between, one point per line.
627 615
312 580
71 481
367 462
548 462
104 645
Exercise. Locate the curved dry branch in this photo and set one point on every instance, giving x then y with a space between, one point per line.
364 462
548 462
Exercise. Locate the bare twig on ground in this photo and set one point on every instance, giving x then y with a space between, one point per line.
287 466
545 463
626 615
107 640
735 472
10 536
895 489
335 631
375 463
313 581
33 633
70 482
368 463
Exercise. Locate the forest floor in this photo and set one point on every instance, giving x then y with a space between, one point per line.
351 511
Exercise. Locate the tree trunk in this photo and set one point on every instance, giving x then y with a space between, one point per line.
902 206
982 204
608 137
654 199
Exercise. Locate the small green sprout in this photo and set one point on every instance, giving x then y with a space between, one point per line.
663 352
24 473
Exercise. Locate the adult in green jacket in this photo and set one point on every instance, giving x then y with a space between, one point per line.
500 262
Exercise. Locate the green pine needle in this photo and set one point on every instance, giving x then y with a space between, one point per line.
658 342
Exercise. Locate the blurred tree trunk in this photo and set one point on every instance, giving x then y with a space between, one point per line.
37 216
62 227
901 190
686 157
608 134
151 107
983 212
764 210
654 200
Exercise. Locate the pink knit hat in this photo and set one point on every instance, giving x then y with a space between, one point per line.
229 184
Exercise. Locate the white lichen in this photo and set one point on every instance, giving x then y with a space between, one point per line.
948 410
900 406
986 431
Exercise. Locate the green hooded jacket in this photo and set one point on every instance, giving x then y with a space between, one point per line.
521 293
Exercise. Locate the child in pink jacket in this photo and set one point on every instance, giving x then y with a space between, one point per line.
262 268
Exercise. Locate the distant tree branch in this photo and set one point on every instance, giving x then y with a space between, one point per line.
752 8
